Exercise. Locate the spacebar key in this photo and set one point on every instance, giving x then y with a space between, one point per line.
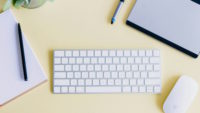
103 89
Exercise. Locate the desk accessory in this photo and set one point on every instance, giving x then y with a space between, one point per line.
24 3
117 11
107 71
173 22
181 96
22 52
12 83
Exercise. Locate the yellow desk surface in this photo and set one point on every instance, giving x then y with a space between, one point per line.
85 24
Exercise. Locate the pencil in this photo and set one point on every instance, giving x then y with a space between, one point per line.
22 52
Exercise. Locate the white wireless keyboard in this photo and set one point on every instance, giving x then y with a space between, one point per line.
106 71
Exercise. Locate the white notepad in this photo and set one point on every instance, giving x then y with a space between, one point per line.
12 82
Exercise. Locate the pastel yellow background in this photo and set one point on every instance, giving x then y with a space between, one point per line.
85 24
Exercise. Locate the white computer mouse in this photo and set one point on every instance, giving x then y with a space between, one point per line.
181 95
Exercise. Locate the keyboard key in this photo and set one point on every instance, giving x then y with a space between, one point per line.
150 89
154 75
68 53
134 53
133 82
104 53
112 53
149 53
125 82
107 75
108 60
138 60
57 61
130 60
114 75
141 53
112 67
157 89
119 67
127 53
123 60
118 82
134 89
157 67
82 67
119 53
75 67
103 89
77 74
145 60
129 74
90 68
83 53
94 60
81 82
105 67
149 67
121 74
85 75
143 74
58 67
60 82
126 89
142 89
97 67
64 89
79 60
98 53
152 81
88 82
156 53
101 60
80 89
72 89
96 82
141 67
68 68
59 74
103 82
65 61
90 53
70 75
92 75
111 82
140 82
56 90
59 53
73 82
134 67
75 53
99 74
86 60
71 60
155 60
127 67
136 74
116 60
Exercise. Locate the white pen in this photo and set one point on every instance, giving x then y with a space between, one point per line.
117 11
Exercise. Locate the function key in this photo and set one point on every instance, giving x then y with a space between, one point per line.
83 53
68 53
90 53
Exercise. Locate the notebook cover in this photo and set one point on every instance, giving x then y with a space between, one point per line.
12 83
